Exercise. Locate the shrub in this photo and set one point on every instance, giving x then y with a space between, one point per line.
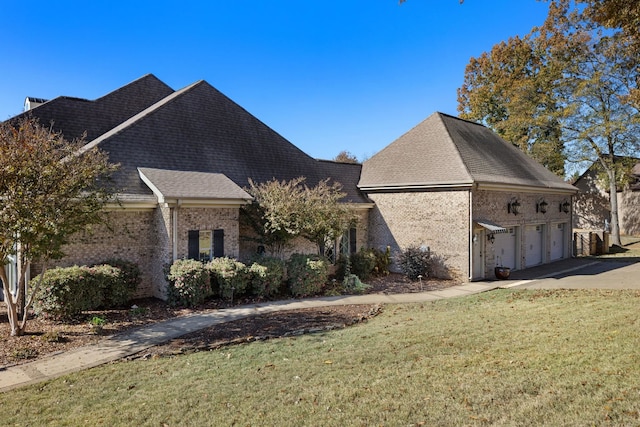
230 276
438 267
353 285
363 262
307 274
343 267
267 276
188 283
66 292
383 261
414 262
121 292
350 282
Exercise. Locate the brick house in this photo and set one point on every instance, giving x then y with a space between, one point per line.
184 158
456 187
186 155
592 210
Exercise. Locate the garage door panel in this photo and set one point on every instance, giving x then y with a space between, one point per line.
504 247
557 241
533 245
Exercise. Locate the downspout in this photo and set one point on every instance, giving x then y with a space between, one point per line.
470 235
174 231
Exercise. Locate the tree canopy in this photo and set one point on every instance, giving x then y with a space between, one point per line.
346 157
48 193
567 87
284 210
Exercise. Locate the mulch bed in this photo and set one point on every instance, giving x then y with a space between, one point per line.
45 336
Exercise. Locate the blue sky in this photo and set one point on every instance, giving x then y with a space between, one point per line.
328 75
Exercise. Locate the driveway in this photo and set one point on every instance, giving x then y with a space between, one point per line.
594 274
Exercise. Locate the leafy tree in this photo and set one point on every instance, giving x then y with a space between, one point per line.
578 79
284 210
507 90
346 157
49 191
600 75
623 15
275 213
325 218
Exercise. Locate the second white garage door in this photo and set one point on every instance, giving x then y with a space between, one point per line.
533 245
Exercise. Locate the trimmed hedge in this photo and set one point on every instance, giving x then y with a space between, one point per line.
66 292
189 283
230 277
123 290
307 274
267 277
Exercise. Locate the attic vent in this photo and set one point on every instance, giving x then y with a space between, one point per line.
31 102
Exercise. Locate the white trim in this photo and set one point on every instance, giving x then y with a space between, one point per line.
400 187
523 188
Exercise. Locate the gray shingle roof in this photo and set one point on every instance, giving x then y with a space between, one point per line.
146 124
347 174
168 185
75 116
444 151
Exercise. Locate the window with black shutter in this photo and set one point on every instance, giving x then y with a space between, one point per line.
204 245
218 243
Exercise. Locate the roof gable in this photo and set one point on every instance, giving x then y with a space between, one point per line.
447 152
424 156
75 116
171 186
199 129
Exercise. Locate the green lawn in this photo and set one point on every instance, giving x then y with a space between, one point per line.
505 357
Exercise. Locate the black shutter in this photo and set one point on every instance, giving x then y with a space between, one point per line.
218 243
194 244
352 241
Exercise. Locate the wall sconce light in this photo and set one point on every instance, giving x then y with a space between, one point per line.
491 238
513 206
541 206
565 206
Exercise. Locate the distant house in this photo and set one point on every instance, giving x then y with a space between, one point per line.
456 187
592 210
186 155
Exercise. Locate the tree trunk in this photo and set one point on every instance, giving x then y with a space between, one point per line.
613 202
12 305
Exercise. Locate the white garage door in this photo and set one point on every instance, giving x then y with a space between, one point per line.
504 247
557 241
533 245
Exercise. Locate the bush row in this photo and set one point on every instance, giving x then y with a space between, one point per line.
192 282
67 291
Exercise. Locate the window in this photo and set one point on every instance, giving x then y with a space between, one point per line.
348 245
345 245
206 244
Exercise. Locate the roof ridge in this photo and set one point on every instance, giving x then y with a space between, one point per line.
131 83
453 143
142 114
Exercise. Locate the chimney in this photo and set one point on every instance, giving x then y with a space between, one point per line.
31 102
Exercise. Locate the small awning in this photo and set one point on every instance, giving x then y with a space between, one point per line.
491 226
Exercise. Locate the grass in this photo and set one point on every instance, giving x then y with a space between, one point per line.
507 357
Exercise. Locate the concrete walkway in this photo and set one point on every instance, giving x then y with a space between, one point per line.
140 339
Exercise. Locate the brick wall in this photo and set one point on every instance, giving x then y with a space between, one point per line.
145 237
629 212
128 235
209 219
492 206
439 220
